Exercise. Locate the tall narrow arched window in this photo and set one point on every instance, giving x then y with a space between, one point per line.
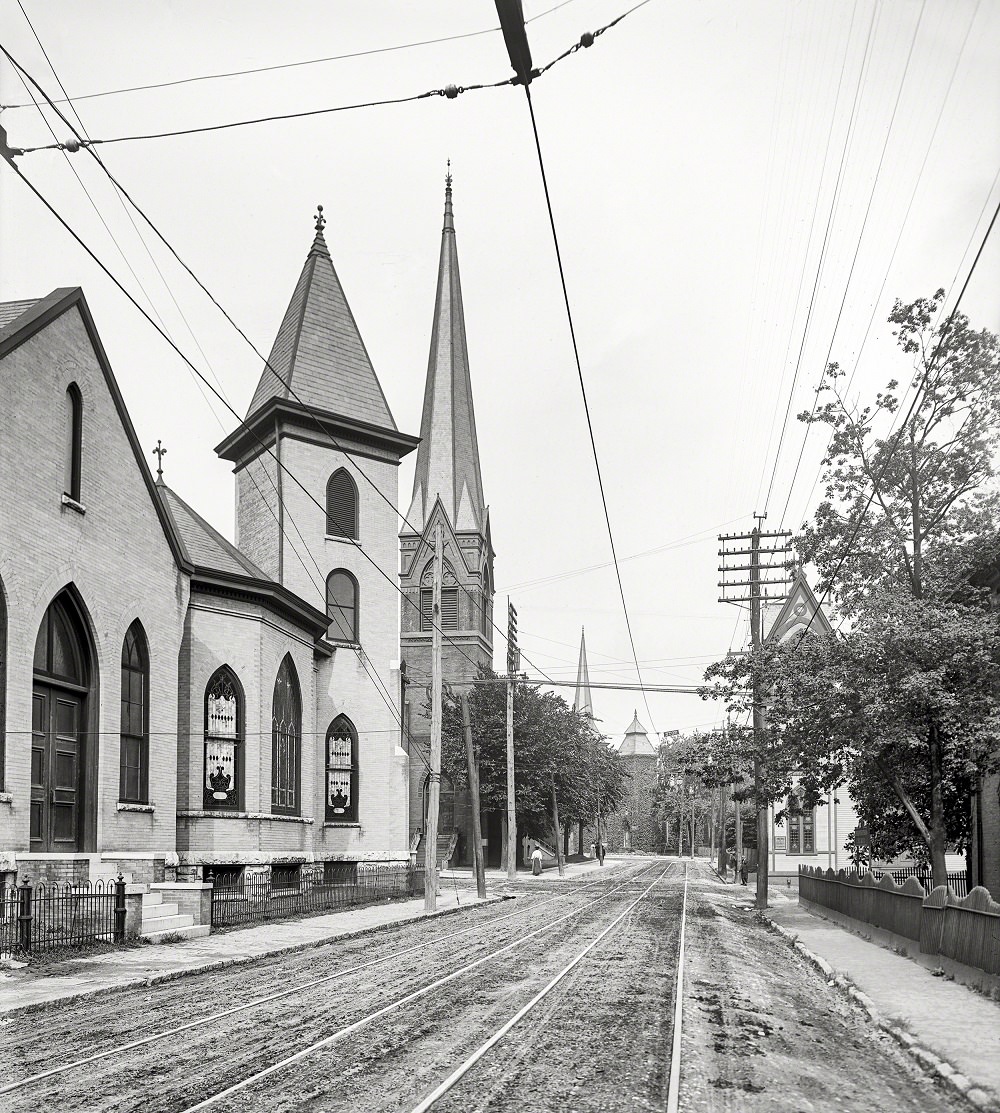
449 598
3 688
341 505
341 771
342 605
286 741
73 441
134 781
486 605
801 824
223 740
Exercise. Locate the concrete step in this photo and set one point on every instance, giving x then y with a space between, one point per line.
150 900
192 931
159 924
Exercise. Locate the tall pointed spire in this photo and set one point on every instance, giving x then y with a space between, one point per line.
582 701
318 353
448 456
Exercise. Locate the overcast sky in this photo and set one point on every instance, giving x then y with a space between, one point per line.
700 157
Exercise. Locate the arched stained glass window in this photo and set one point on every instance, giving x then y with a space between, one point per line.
134 780
286 741
341 771
223 740
341 505
342 605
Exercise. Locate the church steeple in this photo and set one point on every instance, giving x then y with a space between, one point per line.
448 456
318 353
582 701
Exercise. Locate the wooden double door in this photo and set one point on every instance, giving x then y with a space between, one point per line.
57 752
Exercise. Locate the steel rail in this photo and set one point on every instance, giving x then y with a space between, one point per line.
257 1002
433 1097
406 999
673 1087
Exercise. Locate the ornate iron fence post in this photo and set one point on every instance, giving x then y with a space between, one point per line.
210 878
120 908
24 893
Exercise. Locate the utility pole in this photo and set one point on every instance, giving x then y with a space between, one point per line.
777 544
472 757
513 662
555 819
434 801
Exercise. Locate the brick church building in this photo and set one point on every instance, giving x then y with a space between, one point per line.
171 702
447 491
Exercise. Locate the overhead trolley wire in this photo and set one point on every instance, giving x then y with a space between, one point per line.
892 257
65 99
579 371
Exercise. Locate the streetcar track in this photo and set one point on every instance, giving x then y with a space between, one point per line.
409 998
459 1073
299 988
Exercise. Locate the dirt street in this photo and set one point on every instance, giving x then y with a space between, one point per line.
762 1030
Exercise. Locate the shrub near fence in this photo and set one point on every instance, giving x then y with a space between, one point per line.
44 916
965 929
320 887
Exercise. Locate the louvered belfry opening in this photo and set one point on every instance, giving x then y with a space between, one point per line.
341 506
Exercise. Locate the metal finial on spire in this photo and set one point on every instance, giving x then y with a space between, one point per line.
159 452
320 218
447 178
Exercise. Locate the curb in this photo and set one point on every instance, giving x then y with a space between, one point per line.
226 963
932 1064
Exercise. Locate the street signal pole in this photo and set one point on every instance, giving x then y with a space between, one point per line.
513 663
762 576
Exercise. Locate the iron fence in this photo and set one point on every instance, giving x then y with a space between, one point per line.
241 898
68 914
957 880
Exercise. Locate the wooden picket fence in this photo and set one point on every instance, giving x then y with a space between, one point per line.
966 929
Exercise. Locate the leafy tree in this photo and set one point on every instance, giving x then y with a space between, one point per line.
552 744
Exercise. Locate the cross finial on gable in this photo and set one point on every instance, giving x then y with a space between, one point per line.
159 452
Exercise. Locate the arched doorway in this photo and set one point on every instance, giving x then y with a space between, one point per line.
63 679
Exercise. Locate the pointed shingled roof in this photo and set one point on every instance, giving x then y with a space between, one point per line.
318 352
448 456
636 742
582 701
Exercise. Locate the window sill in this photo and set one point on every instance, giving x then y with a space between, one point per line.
346 823
339 643
127 807
343 540
206 813
72 504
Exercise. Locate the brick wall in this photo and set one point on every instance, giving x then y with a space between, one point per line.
115 556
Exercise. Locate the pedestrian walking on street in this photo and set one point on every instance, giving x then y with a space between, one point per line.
744 873
601 848
536 861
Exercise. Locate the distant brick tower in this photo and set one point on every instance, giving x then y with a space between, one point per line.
632 827
447 490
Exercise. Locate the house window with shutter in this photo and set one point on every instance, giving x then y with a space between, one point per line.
342 605
341 506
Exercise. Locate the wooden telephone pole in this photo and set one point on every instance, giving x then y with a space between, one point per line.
434 796
472 758
777 545
513 663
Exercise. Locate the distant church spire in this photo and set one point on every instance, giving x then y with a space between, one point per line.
582 701
448 456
